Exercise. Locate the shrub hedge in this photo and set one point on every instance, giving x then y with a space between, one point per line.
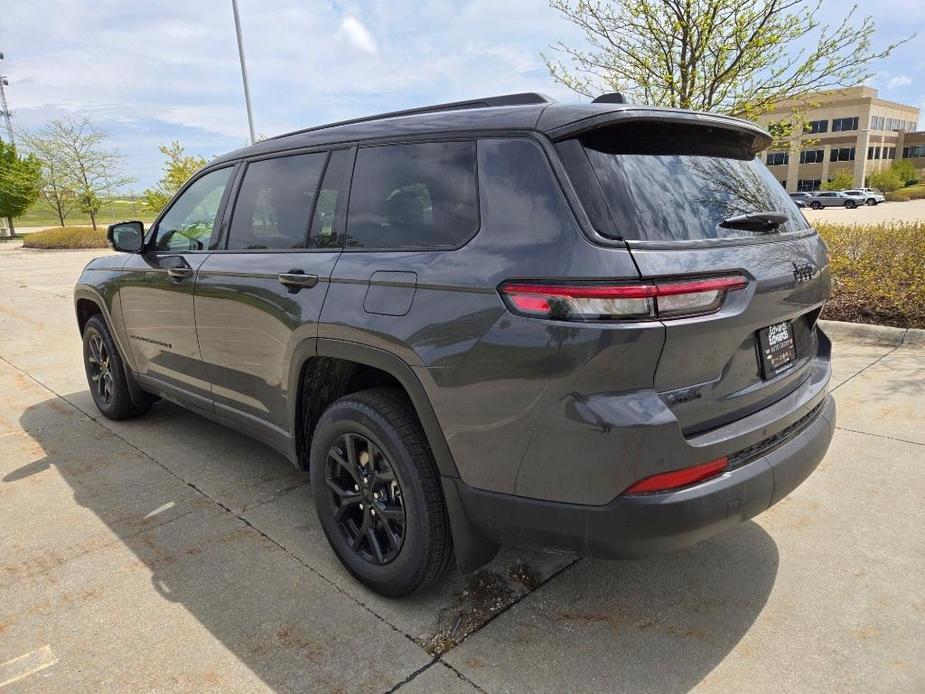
878 273
66 237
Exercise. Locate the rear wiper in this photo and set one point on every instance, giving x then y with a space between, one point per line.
755 221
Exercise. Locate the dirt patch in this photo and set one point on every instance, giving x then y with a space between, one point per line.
524 574
311 650
486 593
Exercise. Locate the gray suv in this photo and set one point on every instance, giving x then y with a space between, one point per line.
822 199
576 327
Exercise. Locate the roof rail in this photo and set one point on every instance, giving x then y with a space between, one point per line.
521 99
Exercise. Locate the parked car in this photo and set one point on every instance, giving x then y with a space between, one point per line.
800 199
821 199
866 196
586 327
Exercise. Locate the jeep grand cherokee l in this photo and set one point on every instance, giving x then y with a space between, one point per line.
584 327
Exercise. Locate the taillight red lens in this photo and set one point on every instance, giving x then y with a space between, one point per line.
678 478
582 302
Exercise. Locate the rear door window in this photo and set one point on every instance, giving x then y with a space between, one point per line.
275 203
420 195
671 182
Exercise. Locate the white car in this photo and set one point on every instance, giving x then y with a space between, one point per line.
866 196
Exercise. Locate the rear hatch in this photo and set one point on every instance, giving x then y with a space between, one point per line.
692 200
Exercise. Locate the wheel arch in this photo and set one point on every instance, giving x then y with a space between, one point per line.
88 303
471 549
397 373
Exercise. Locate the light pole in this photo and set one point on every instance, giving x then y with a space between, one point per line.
4 107
247 92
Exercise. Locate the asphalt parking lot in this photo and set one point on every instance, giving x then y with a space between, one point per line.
911 211
171 554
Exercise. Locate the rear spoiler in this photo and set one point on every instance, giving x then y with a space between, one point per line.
646 114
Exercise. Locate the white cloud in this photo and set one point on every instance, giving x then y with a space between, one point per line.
359 36
899 81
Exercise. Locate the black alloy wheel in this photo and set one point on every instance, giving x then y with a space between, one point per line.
367 498
378 493
816 205
850 204
114 392
99 368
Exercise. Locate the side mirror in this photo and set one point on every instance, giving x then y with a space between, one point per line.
128 237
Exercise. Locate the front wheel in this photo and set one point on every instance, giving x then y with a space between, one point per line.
816 205
871 202
107 375
850 204
377 492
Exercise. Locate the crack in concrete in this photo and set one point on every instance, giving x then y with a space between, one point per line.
275 496
872 364
880 436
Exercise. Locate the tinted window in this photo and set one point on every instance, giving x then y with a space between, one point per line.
275 202
188 223
331 200
677 188
413 196
521 199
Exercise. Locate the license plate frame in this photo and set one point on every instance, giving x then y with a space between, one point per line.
777 350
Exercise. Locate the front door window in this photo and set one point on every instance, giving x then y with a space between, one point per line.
188 224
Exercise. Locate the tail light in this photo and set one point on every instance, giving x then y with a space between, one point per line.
639 301
678 478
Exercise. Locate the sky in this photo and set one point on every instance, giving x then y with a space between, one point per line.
151 72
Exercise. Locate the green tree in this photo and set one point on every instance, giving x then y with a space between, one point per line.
886 180
90 169
732 56
905 171
20 182
57 188
177 170
840 180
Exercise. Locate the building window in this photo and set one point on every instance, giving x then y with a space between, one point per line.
841 154
889 153
778 158
807 185
784 183
914 152
812 156
876 122
841 124
816 126
874 152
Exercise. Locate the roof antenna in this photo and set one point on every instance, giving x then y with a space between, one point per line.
610 98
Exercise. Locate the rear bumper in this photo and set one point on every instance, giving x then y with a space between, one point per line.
642 525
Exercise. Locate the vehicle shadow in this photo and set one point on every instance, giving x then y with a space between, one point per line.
614 619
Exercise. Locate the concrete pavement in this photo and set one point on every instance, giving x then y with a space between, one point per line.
169 553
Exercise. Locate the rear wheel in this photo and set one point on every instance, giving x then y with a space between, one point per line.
107 375
816 205
377 492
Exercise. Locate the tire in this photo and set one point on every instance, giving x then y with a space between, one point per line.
871 202
390 469
850 204
816 205
107 376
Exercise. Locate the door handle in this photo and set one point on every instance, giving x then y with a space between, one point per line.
180 273
297 279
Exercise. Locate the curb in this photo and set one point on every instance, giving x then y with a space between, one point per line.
875 334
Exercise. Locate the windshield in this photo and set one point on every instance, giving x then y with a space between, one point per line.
680 189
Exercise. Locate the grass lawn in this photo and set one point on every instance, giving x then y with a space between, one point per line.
118 210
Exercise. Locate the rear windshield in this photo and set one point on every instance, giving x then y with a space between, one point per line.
677 183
